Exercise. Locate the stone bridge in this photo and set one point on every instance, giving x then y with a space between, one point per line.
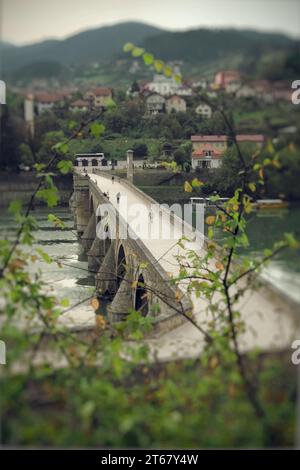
126 270
135 272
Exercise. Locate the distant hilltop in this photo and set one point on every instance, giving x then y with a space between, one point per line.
199 48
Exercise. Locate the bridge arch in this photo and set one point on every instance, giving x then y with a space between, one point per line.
91 205
121 265
141 304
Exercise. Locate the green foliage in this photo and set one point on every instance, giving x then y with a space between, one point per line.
97 129
26 158
65 166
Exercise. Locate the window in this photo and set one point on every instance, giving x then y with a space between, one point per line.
204 164
208 153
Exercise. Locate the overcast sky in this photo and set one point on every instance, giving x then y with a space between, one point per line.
25 21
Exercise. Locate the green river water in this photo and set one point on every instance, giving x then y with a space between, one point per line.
73 281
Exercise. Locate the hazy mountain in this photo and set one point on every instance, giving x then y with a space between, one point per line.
200 49
209 44
82 48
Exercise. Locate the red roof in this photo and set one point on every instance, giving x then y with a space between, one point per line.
101 91
250 138
44 97
200 153
225 138
209 138
80 103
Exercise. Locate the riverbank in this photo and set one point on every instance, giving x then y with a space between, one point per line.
22 185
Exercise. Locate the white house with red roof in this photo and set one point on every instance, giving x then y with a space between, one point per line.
47 100
228 79
79 106
208 150
99 97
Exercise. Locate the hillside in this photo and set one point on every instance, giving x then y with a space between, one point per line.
82 48
245 49
202 50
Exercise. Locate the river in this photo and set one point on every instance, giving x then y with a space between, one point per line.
73 281
266 227
70 279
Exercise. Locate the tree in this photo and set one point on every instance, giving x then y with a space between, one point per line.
26 155
140 149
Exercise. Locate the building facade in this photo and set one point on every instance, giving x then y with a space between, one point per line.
208 150
175 103
155 104
204 110
99 97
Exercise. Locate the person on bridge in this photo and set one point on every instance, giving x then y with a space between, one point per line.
118 197
150 216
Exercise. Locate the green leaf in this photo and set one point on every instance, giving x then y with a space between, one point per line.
177 78
137 51
148 58
270 147
49 195
44 256
128 47
61 147
72 124
168 71
110 104
252 187
187 187
56 220
65 166
291 240
65 302
39 166
15 207
158 65
97 129
197 183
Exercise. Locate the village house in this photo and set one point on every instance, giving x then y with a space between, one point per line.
99 97
262 89
175 103
46 101
167 86
228 79
155 104
79 106
164 86
245 91
281 90
201 83
204 110
208 150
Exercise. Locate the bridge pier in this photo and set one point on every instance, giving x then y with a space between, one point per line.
89 233
122 303
106 280
81 203
96 254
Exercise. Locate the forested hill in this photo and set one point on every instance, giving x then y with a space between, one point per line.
253 51
82 48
